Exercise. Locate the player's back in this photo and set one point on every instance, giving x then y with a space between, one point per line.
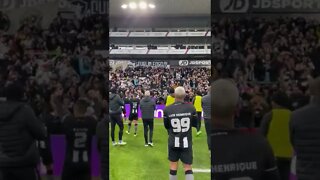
79 133
237 154
179 118
134 105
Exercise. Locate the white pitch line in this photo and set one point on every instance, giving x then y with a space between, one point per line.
201 170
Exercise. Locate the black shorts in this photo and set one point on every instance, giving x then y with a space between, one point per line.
185 155
133 116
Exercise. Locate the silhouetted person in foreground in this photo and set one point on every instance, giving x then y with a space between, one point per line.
305 135
19 130
234 153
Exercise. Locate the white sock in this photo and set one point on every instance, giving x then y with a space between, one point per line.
173 177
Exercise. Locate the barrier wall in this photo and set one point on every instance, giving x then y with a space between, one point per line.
158 113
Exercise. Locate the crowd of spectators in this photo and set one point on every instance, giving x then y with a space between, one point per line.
56 65
265 56
56 69
133 81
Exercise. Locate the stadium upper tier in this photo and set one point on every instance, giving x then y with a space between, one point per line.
161 46
161 49
202 32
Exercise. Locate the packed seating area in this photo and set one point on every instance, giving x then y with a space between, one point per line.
265 56
58 64
135 80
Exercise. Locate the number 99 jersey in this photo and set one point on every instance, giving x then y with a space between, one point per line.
179 118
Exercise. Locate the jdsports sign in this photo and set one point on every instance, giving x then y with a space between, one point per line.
266 6
194 62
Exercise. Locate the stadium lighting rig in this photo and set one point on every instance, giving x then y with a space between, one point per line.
141 5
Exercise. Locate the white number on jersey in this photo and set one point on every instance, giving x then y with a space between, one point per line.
182 125
80 142
41 144
177 142
134 107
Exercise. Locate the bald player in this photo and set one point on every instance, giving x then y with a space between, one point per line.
236 154
147 107
179 118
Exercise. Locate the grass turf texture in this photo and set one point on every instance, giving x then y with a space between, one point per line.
134 161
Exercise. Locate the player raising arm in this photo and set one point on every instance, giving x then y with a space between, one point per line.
179 118
133 117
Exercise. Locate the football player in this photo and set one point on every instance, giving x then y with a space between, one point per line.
179 118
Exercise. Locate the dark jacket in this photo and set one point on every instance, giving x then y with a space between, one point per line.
206 105
53 126
103 142
239 148
19 130
115 103
305 138
147 107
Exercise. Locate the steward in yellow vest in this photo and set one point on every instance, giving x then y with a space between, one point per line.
170 98
197 103
275 127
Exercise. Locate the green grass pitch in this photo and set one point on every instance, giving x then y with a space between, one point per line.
134 161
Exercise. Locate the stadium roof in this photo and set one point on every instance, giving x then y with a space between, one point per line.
164 8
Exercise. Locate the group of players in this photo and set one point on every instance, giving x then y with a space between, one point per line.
179 117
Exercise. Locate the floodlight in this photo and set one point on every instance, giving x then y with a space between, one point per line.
133 5
143 5
152 6
124 6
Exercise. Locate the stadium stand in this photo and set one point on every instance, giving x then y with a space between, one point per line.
61 56
264 56
135 80
57 67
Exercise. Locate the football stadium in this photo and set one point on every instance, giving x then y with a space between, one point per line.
159 89
156 46
134 155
